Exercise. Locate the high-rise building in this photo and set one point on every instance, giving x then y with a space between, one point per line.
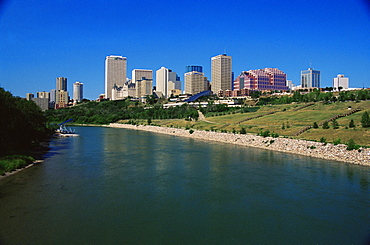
310 78
61 83
77 91
166 80
143 87
221 73
139 74
115 73
193 68
261 79
340 82
61 99
195 82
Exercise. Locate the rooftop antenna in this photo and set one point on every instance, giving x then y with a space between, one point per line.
310 64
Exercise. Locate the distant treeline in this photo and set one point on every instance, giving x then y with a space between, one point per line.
106 112
22 124
315 96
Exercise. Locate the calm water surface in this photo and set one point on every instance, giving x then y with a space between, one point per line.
118 186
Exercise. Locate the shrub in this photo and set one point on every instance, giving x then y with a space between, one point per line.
191 131
265 133
351 145
325 125
243 131
322 140
315 125
337 141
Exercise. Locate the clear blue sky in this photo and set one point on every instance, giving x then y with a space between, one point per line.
42 40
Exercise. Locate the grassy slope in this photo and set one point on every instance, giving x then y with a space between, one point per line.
295 119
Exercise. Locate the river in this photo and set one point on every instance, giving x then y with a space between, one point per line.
120 186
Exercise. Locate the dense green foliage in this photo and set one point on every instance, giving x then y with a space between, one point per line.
106 112
315 96
10 163
22 124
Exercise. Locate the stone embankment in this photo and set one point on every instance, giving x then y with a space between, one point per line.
302 147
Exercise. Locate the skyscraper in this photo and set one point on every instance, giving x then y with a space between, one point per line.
310 78
77 91
166 80
195 82
193 68
221 73
115 73
138 74
61 83
340 81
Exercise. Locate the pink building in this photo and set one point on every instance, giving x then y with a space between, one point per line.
261 79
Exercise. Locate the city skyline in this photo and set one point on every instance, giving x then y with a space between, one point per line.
287 35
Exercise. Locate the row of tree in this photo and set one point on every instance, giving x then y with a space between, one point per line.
106 112
22 124
315 96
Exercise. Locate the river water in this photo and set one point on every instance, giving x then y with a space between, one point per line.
120 186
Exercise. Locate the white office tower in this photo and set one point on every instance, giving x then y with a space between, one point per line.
340 82
139 74
115 73
166 80
195 82
61 83
77 91
221 73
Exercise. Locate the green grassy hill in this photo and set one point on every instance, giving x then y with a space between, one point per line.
287 120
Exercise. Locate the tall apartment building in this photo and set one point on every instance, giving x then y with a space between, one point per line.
340 81
195 82
61 99
138 74
61 83
310 78
261 79
221 73
115 73
77 91
143 87
166 80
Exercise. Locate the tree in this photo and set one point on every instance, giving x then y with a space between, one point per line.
352 124
325 125
365 120
243 131
315 125
335 124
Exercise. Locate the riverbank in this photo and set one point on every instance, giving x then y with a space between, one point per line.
301 147
7 174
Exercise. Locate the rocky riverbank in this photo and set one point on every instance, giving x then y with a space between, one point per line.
302 147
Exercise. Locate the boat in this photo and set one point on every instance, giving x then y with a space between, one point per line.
63 131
